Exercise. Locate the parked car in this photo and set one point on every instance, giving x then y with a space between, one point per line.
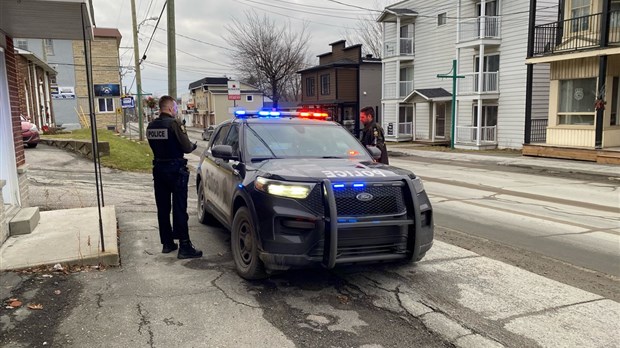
296 191
206 134
30 133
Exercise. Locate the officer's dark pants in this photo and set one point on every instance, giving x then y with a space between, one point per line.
171 179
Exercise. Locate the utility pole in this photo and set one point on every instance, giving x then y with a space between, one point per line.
136 54
452 75
172 52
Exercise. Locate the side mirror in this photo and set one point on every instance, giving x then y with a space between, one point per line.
224 152
374 152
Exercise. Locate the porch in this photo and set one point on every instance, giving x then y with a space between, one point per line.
604 156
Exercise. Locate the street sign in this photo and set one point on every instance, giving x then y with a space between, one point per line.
127 102
234 90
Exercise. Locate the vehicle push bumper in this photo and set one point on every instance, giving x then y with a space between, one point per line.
417 224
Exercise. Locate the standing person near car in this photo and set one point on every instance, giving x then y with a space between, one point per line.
169 141
372 133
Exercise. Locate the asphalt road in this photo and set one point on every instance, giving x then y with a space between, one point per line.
454 297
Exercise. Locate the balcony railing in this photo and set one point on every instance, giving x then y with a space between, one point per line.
472 29
490 83
574 34
468 135
407 47
406 87
405 128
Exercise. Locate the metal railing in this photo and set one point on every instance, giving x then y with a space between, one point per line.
490 83
406 87
575 33
472 29
538 132
468 134
389 90
407 47
405 128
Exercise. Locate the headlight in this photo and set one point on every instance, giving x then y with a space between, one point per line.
299 190
417 183
34 128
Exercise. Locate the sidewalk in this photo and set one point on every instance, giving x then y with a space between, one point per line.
546 164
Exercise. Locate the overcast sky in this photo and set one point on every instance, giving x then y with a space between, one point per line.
205 20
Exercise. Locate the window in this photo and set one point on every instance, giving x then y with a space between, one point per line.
49 47
614 20
53 80
580 10
489 115
577 102
310 86
221 135
22 44
106 104
406 39
442 19
490 9
490 76
325 84
249 98
233 139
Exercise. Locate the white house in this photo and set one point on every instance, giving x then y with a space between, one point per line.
421 40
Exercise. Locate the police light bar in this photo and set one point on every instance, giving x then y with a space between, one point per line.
278 114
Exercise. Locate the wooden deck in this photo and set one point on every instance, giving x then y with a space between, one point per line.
604 156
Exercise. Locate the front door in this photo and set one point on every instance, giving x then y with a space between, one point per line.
440 120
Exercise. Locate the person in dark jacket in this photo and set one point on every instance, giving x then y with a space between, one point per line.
372 133
169 141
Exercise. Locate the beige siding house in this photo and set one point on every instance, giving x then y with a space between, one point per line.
211 104
583 49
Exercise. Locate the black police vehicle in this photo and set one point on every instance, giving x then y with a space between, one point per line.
297 190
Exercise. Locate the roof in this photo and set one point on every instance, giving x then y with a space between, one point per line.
36 60
107 32
209 81
431 94
396 12
338 63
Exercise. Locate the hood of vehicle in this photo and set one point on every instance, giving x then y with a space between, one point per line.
333 169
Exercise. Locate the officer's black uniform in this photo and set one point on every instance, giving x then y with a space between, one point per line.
373 135
169 142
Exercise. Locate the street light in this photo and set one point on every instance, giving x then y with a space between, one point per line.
145 20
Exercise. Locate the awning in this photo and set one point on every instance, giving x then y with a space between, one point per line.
45 19
430 94
36 60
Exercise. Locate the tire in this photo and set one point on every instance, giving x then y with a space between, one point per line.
33 145
204 217
244 247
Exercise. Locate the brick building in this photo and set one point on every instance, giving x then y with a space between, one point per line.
106 76
34 84
27 19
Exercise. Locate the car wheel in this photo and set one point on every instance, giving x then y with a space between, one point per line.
33 145
204 217
244 246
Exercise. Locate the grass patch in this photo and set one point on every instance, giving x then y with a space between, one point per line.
124 154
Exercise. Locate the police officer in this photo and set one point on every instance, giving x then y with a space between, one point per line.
168 140
372 134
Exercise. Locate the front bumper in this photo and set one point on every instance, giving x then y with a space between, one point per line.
31 137
294 236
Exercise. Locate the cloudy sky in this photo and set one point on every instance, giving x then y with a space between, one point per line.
202 48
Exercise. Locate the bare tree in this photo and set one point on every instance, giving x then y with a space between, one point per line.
368 31
267 54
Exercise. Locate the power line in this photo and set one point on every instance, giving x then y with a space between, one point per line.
153 33
302 11
354 6
195 56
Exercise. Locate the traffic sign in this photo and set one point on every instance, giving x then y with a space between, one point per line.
127 102
234 90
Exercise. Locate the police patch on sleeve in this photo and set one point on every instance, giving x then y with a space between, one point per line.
157 134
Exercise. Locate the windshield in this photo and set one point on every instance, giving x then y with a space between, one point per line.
274 140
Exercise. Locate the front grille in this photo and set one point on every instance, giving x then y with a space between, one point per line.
366 241
314 201
387 200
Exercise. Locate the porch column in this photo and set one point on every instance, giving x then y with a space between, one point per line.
434 118
529 91
602 76
413 130
481 71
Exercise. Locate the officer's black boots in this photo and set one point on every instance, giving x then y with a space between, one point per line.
168 248
187 250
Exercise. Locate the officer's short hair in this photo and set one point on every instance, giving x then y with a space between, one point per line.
369 111
165 100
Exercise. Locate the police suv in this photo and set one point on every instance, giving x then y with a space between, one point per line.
297 190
